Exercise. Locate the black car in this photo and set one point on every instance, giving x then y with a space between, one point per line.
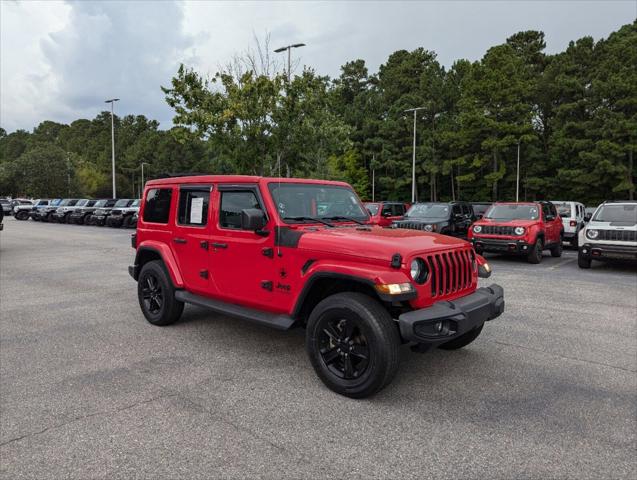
82 215
480 208
101 214
122 216
451 218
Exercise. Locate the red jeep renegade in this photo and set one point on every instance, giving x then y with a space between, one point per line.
285 252
525 228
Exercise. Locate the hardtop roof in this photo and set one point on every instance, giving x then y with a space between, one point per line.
238 179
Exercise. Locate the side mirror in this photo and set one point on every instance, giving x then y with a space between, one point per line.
252 219
387 214
587 217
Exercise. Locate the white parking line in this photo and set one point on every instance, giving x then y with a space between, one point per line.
564 262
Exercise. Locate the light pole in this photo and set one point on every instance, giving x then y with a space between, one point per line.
289 48
143 163
112 101
517 176
413 161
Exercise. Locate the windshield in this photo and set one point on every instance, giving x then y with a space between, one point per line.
563 209
513 212
65 202
122 203
372 208
100 203
4 202
480 208
81 203
295 200
428 210
136 203
617 213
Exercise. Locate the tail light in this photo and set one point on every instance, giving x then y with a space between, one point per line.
573 223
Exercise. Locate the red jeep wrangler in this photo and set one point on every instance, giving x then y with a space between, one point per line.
384 214
285 252
524 228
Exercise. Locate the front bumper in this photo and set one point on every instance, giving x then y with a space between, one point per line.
445 321
596 251
514 246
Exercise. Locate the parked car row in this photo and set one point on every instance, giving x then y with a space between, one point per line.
523 228
111 212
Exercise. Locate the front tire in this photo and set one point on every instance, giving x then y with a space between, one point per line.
21 215
463 340
156 295
353 344
535 255
582 261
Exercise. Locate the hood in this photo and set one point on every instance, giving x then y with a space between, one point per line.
595 225
374 242
506 223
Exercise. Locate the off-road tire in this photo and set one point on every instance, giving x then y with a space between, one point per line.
22 215
154 274
575 240
373 325
556 250
582 261
535 253
463 340
126 223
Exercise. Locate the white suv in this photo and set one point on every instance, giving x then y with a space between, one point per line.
610 234
572 214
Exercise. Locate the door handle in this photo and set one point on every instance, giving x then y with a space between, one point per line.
179 240
220 245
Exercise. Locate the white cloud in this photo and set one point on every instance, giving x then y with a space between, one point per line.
59 61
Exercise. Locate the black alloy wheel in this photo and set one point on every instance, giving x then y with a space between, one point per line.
343 347
152 294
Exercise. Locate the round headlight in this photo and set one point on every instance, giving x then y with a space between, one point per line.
519 230
592 234
419 270
428 228
477 229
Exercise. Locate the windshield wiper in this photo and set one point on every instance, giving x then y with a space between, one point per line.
341 217
311 219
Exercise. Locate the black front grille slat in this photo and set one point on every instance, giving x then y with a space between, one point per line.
497 230
618 235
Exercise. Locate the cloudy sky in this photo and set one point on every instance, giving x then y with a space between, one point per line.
60 61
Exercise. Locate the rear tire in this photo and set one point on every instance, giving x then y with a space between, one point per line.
156 295
582 261
535 255
22 215
353 344
556 250
463 340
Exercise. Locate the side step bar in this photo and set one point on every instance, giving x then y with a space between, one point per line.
273 320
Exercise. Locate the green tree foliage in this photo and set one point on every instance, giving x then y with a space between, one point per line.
572 116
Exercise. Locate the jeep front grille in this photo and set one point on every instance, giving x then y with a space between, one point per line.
450 272
617 235
497 230
116 212
411 225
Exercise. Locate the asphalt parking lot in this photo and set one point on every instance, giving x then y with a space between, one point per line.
89 389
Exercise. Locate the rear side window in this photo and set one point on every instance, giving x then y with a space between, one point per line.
157 208
193 207
398 210
231 205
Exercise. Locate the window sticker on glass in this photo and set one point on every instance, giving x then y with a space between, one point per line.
196 210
